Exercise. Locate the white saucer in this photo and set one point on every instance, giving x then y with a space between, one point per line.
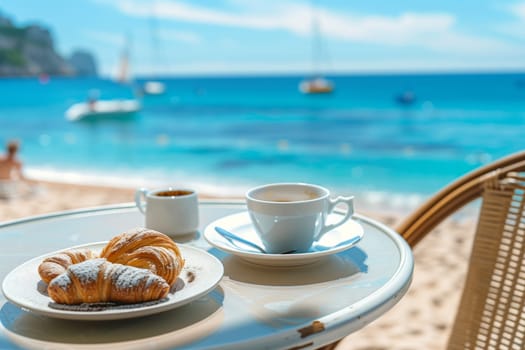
201 273
337 240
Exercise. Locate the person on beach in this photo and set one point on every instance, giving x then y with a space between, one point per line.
10 165
92 99
13 183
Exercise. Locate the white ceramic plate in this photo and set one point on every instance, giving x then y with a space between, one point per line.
201 273
337 240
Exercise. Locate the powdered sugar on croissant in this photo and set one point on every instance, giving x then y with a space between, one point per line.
97 280
57 264
148 249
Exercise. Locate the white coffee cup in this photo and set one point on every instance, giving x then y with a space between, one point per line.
291 216
173 211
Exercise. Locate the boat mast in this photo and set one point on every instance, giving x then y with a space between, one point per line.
123 75
316 43
154 41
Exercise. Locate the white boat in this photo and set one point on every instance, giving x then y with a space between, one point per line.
109 108
102 108
154 88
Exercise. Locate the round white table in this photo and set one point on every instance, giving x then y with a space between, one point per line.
254 307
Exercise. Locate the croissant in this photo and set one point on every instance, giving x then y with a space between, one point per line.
147 249
57 264
98 281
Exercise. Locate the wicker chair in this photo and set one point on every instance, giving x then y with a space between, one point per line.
491 314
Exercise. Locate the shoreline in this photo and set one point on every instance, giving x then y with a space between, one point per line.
423 317
52 196
392 201
48 196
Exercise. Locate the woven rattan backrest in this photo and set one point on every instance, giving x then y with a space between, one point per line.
491 314
456 195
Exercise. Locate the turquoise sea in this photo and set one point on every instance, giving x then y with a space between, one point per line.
223 135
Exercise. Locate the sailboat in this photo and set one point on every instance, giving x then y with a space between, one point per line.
154 87
317 84
114 108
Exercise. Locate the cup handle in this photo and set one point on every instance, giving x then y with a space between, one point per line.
349 201
139 195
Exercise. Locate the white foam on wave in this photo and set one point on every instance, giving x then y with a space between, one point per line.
84 178
136 180
365 201
377 204
389 202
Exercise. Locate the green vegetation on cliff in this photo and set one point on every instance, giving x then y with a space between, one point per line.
29 51
12 57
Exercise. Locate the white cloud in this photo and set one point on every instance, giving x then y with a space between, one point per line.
515 27
431 40
518 10
181 36
433 31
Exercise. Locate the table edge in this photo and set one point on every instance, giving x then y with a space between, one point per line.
335 324
94 209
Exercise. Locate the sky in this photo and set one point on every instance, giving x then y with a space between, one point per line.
199 37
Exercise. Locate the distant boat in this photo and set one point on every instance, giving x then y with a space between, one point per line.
111 108
406 98
102 108
317 84
154 88
123 73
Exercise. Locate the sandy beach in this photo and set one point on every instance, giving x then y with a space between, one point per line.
421 320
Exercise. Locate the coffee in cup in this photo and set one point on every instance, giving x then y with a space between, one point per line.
171 210
291 216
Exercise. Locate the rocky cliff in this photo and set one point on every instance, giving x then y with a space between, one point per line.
29 51
83 63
